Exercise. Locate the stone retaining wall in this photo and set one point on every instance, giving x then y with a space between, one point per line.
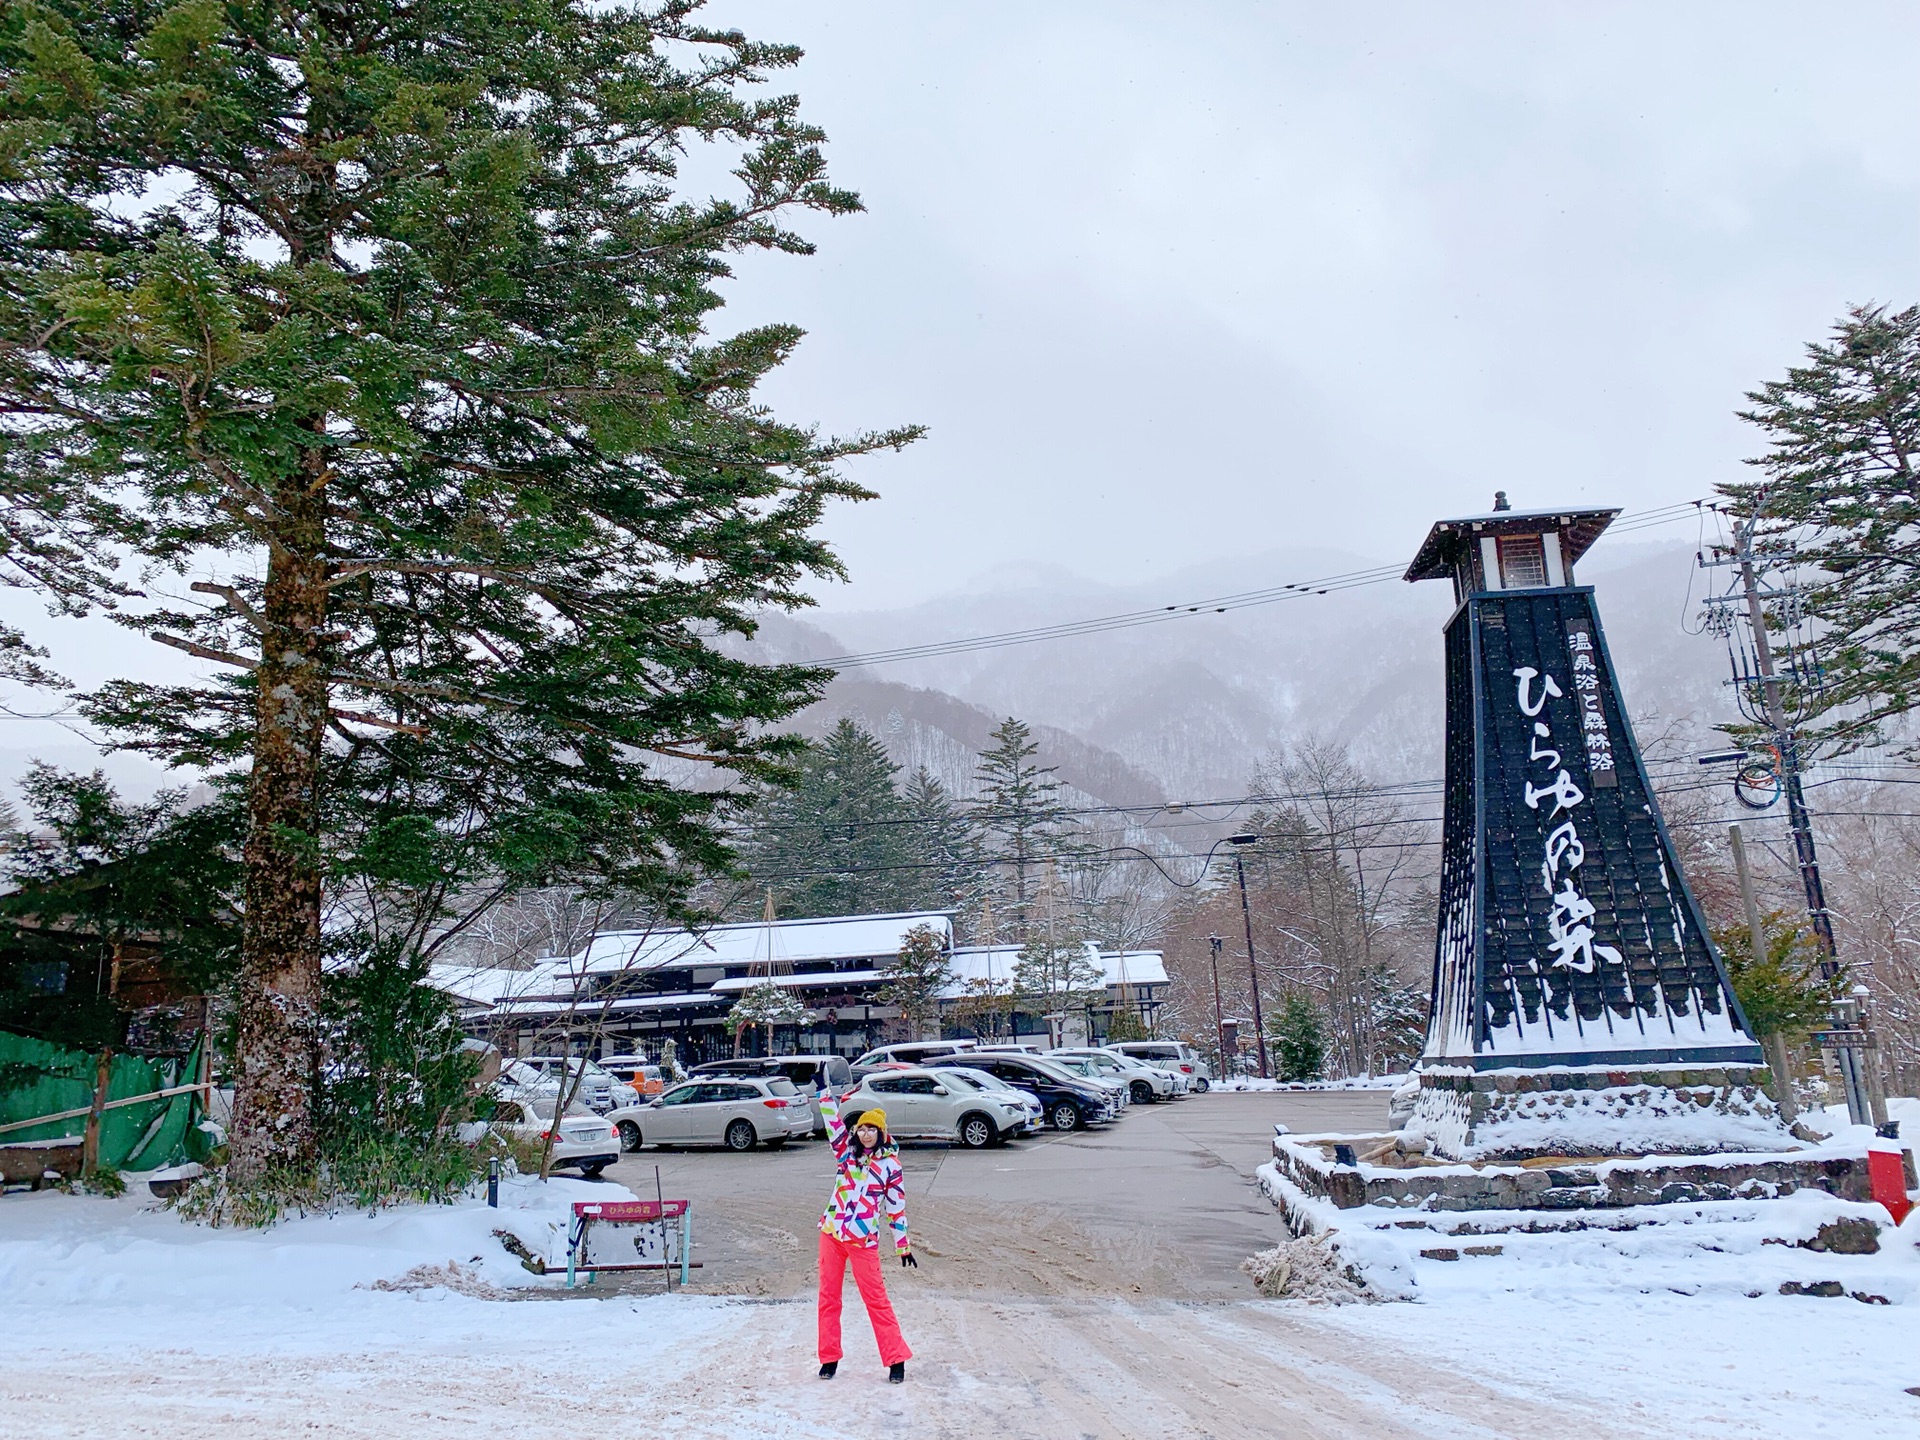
1609 1184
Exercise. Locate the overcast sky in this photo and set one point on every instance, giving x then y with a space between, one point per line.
1168 282
1176 282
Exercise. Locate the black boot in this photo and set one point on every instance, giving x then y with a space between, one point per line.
827 1369
897 1373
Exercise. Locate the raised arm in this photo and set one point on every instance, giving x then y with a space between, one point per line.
836 1127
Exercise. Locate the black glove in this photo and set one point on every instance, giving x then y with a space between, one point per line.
907 1262
820 1082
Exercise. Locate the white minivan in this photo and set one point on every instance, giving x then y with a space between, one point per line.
1170 1055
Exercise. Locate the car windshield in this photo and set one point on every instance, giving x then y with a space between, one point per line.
957 1079
979 1079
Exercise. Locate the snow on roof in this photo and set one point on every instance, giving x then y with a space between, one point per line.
799 982
486 984
835 937
1122 967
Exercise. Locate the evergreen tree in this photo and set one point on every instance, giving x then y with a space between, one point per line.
1021 816
951 873
406 354
837 841
1300 1051
1057 974
915 977
1125 1024
101 873
1839 489
768 1003
1782 993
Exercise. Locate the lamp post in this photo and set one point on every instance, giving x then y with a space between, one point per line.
1240 842
1219 1020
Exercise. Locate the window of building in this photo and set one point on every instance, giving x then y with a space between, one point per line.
1523 563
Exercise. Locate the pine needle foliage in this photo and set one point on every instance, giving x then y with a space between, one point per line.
1839 489
915 978
1782 993
1300 1042
390 322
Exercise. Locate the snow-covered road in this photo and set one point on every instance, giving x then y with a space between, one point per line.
117 1319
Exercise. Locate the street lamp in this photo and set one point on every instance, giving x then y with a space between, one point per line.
1239 843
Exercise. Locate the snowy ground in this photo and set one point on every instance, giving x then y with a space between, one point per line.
117 1318
1351 1082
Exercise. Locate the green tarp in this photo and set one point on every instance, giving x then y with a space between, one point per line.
37 1078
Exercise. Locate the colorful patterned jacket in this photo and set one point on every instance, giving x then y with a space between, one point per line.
864 1188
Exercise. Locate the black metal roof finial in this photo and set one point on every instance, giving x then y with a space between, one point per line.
1500 501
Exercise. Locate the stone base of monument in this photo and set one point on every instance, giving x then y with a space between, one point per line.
1384 1172
1390 1219
1463 1113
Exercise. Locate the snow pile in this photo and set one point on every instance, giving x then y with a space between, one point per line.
1351 1082
1310 1268
65 1260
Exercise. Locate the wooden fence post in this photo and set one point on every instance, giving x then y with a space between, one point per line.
90 1145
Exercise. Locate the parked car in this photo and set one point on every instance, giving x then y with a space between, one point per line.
645 1078
519 1075
585 1141
938 1105
1069 1101
803 1070
1117 1089
1173 1055
596 1088
738 1111
1023 1100
1145 1083
911 1052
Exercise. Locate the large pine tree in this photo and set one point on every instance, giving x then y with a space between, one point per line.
1839 489
389 322
1022 817
949 866
838 840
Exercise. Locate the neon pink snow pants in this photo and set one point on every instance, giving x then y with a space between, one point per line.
834 1257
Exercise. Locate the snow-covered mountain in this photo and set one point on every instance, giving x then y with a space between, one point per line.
1186 709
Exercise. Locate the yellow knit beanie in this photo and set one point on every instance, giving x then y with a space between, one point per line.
875 1118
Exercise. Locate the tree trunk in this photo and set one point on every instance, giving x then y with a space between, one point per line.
1775 1046
90 1137
276 1061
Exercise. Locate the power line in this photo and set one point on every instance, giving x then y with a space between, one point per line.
1217 605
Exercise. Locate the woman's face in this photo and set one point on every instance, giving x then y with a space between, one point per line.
867 1135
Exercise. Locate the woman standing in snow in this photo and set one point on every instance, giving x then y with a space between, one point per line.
869 1183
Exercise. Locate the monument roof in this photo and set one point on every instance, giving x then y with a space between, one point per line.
1579 528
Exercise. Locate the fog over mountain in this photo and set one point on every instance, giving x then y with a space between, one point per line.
1185 710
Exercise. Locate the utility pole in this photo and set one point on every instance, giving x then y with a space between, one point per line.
1240 842
1219 1018
1776 1044
1774 710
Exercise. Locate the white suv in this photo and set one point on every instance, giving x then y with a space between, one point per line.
1170 1055
940 1105
1145 1082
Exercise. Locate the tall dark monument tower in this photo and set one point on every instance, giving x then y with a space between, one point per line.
1578 1005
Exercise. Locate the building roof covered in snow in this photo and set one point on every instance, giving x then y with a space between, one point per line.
760 942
